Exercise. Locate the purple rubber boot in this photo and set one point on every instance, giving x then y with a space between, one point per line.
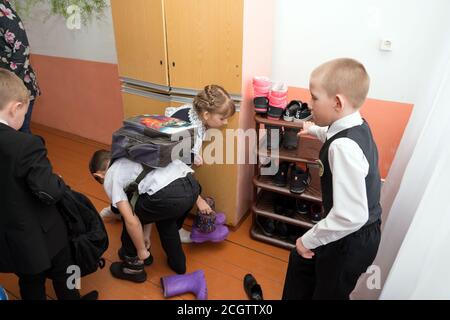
218 235
220 216
194 282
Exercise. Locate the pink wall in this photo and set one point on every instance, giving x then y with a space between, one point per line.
256 60
79 97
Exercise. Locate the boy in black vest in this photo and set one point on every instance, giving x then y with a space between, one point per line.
330 257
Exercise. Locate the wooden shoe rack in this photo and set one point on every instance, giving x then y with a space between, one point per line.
265 191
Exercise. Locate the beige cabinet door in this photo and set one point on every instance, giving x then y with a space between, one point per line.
204 41
140 40
137 102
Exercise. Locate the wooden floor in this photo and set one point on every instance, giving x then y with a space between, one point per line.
224 264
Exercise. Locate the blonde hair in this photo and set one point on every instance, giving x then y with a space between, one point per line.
344 76
12 89
214 99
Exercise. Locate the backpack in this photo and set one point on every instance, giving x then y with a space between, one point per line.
150 140
87 234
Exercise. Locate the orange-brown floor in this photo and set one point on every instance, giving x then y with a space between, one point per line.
224 264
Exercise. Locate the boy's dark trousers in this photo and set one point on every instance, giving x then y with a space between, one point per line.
167 208
333 271
32 287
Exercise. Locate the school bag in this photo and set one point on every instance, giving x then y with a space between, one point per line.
87 234
150 140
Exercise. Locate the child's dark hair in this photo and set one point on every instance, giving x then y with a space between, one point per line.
99 161
214 99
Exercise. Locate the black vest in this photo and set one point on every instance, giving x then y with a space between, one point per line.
363 137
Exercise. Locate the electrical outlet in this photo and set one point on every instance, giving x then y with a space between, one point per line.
386 45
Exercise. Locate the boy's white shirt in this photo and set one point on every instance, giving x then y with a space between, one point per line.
349 167
4 122
200 129
124 171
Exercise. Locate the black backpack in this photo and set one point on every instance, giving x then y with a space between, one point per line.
87 234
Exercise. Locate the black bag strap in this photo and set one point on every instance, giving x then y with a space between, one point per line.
133 188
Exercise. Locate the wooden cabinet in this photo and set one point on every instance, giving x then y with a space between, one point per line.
139 29
184 44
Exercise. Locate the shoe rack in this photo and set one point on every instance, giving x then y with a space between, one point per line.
265 190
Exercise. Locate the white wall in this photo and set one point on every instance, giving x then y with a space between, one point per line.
50 36
308 33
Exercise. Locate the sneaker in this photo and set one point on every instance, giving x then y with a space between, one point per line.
300 180
108 214
261 104
316 212
123 257
291 109
185 236
280 179
130 269
302 207
266 225
303 113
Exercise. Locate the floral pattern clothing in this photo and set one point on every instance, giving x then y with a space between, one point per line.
15 48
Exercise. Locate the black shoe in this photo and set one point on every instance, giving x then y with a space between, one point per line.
300 180
274 113
252 288
277 140
303 113
284 205
131 270
261 104
291 109
290 138
123 257
302 207
266 225
93 295
280 179
281 229
316 212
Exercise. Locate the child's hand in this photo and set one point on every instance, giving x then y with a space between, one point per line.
198 160
203 206
306 126
302 250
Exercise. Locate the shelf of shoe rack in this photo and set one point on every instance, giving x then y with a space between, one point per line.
306 152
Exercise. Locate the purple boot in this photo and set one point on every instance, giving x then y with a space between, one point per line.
194 282
220 216
218 235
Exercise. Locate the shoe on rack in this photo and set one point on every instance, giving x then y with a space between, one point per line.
131 269
280 179
261 86
291 109
281 229
273 133
316 212
266 225
290 138
302 207
303 113
261 104
300 180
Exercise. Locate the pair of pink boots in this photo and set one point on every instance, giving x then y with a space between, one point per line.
268 97
209 227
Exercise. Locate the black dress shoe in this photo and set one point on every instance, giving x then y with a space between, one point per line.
93 295
252 288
